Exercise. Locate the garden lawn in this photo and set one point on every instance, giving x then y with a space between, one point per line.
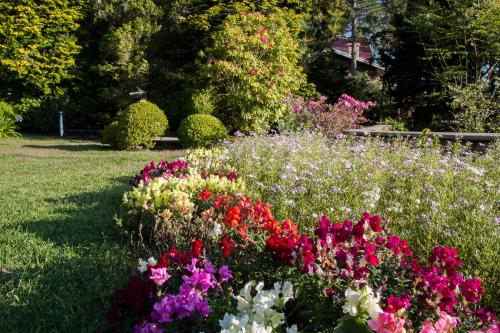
60 254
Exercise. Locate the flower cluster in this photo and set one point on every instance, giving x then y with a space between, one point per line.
167 207
364 301
385 287
149 295
259 313
177 168
330 119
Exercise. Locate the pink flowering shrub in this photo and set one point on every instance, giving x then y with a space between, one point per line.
346 113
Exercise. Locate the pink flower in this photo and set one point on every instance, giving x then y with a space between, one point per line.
490 329
444 324
159 275
387 323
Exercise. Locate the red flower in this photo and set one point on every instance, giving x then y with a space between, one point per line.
196 248
226 245
204 195
163 263
233 217
375 223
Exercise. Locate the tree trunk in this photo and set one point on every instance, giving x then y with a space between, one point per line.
354 37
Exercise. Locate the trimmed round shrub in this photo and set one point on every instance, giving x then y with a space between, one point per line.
201 130
137 127
110 134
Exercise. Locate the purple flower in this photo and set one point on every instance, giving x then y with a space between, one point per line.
148 328
225 274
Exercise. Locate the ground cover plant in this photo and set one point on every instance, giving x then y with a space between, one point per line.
328 276
59 256
430 196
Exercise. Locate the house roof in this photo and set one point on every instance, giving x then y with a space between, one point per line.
341 47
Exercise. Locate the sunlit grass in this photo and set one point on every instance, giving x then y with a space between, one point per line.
60 256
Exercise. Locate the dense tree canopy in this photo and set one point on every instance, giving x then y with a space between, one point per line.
38 46
86 56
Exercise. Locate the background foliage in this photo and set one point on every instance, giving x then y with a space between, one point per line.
84 57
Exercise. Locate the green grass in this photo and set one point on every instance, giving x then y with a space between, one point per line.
60 255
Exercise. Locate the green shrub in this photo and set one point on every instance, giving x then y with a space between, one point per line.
203 102
7 120
137 127
201 130
110 134
253 65
396 124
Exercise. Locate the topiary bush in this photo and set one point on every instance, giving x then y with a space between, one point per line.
201 130
110 134
137 127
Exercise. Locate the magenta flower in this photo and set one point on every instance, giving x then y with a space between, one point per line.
225 274
159 275
471 290
395 303
148 328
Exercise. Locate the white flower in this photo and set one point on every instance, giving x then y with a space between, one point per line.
258 313
216 231
287 291
292 329
363 301
352 301
143 264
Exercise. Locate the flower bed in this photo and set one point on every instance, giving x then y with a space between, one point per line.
432 196
349 276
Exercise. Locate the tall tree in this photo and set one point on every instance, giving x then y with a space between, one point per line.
440 48
37 49
364 17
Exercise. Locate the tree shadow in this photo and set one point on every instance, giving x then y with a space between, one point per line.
66 295
83 218
70 293
72 147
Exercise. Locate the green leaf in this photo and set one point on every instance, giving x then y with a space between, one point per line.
348 324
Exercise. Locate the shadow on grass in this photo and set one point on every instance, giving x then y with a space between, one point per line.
72 147
70 292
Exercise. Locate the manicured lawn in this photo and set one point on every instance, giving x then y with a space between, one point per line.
60 255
